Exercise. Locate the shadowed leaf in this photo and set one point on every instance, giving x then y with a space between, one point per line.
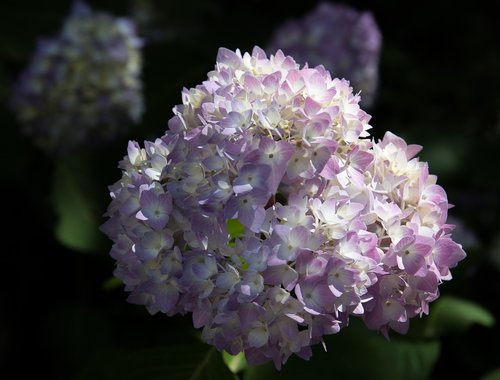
379 358
493 375
451 314
76 205
182 362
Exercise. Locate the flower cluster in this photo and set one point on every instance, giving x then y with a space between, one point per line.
345 41
84 84
267 213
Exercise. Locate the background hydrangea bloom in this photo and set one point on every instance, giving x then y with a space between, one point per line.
84 84
347 42
333 224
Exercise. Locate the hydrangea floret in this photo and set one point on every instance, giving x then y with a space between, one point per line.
268 213
83 85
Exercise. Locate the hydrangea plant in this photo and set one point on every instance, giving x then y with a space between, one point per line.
268 213
346 41
83 85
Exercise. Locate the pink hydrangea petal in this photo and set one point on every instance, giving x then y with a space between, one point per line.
447 253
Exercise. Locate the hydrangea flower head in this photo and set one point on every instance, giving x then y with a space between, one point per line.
84 84
267 212
347 42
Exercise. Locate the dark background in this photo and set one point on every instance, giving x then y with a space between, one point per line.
439 87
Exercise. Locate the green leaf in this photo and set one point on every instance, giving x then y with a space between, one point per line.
75 200
357 353
236 363
443 158
112 283
451 314
235 228
493 375
180 362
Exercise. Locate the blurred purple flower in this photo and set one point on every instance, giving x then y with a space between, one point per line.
347 42
83 85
